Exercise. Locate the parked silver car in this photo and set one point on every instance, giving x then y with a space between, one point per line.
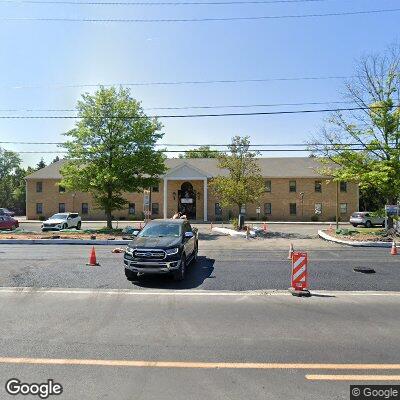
366 218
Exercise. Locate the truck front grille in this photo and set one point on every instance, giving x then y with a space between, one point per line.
149 254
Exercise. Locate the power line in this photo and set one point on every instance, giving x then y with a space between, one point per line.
284 112
173 83
210 19
186 107
209 144
157 3
199 151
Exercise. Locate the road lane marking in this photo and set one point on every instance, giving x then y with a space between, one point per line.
194 364
353 377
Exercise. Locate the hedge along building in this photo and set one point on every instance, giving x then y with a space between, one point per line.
294 191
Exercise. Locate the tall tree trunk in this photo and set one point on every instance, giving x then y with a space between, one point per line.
109 209
109 219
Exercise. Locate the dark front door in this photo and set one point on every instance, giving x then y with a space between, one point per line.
187 200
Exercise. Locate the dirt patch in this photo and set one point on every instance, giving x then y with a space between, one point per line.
360 237
60 235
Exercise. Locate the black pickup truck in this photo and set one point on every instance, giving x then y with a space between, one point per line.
162 247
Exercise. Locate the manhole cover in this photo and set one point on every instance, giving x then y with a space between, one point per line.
364 270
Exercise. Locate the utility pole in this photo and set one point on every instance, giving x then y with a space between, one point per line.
337 204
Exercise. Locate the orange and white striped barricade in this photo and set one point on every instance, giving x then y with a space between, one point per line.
299 280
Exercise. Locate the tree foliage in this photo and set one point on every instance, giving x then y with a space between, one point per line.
12 183
244 183
112 149
200 152
374 131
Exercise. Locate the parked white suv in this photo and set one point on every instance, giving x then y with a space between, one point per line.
62 221
365 218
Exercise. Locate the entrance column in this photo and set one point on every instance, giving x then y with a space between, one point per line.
165 198
205 199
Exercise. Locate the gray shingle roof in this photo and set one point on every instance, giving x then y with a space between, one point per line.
282 167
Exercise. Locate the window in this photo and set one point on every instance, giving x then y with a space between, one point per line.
155 209
292 209
155 188
318 208
39 187
39 208
61 189
85 208
292 186
131 209
61 207
267 208
243 209
343 208
268 186
343 186
318 186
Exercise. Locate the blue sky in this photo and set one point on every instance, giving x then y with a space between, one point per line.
50 53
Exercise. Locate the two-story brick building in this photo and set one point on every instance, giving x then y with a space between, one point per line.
294 191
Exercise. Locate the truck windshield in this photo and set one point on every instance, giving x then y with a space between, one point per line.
160 230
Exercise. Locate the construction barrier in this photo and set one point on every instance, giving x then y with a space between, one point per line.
299 271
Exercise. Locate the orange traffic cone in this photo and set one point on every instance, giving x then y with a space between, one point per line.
92 259
265 227
393 251
291 251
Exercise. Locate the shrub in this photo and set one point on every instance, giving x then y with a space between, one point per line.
314 218
42 218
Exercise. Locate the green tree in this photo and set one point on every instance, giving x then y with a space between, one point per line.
374 130
244 183
112 149
9 172
200 152
41 164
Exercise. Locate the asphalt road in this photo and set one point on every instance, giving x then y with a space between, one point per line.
244 265
127 333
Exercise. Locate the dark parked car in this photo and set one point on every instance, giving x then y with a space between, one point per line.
6 211
7 222
162 247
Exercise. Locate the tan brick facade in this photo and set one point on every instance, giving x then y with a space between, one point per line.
280 199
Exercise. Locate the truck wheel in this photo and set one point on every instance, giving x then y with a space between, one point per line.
368 224
130 275
65 226
180 274
78 226
355 225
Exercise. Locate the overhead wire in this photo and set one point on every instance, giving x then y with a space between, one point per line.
209 19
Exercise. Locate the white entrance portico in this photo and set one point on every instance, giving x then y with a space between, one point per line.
187 173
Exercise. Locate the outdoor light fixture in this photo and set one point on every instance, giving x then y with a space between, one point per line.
174 195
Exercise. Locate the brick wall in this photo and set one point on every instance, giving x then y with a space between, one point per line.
280 198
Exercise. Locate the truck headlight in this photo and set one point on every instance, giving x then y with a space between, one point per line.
171 252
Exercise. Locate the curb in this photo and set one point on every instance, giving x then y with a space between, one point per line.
65 241
330 238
